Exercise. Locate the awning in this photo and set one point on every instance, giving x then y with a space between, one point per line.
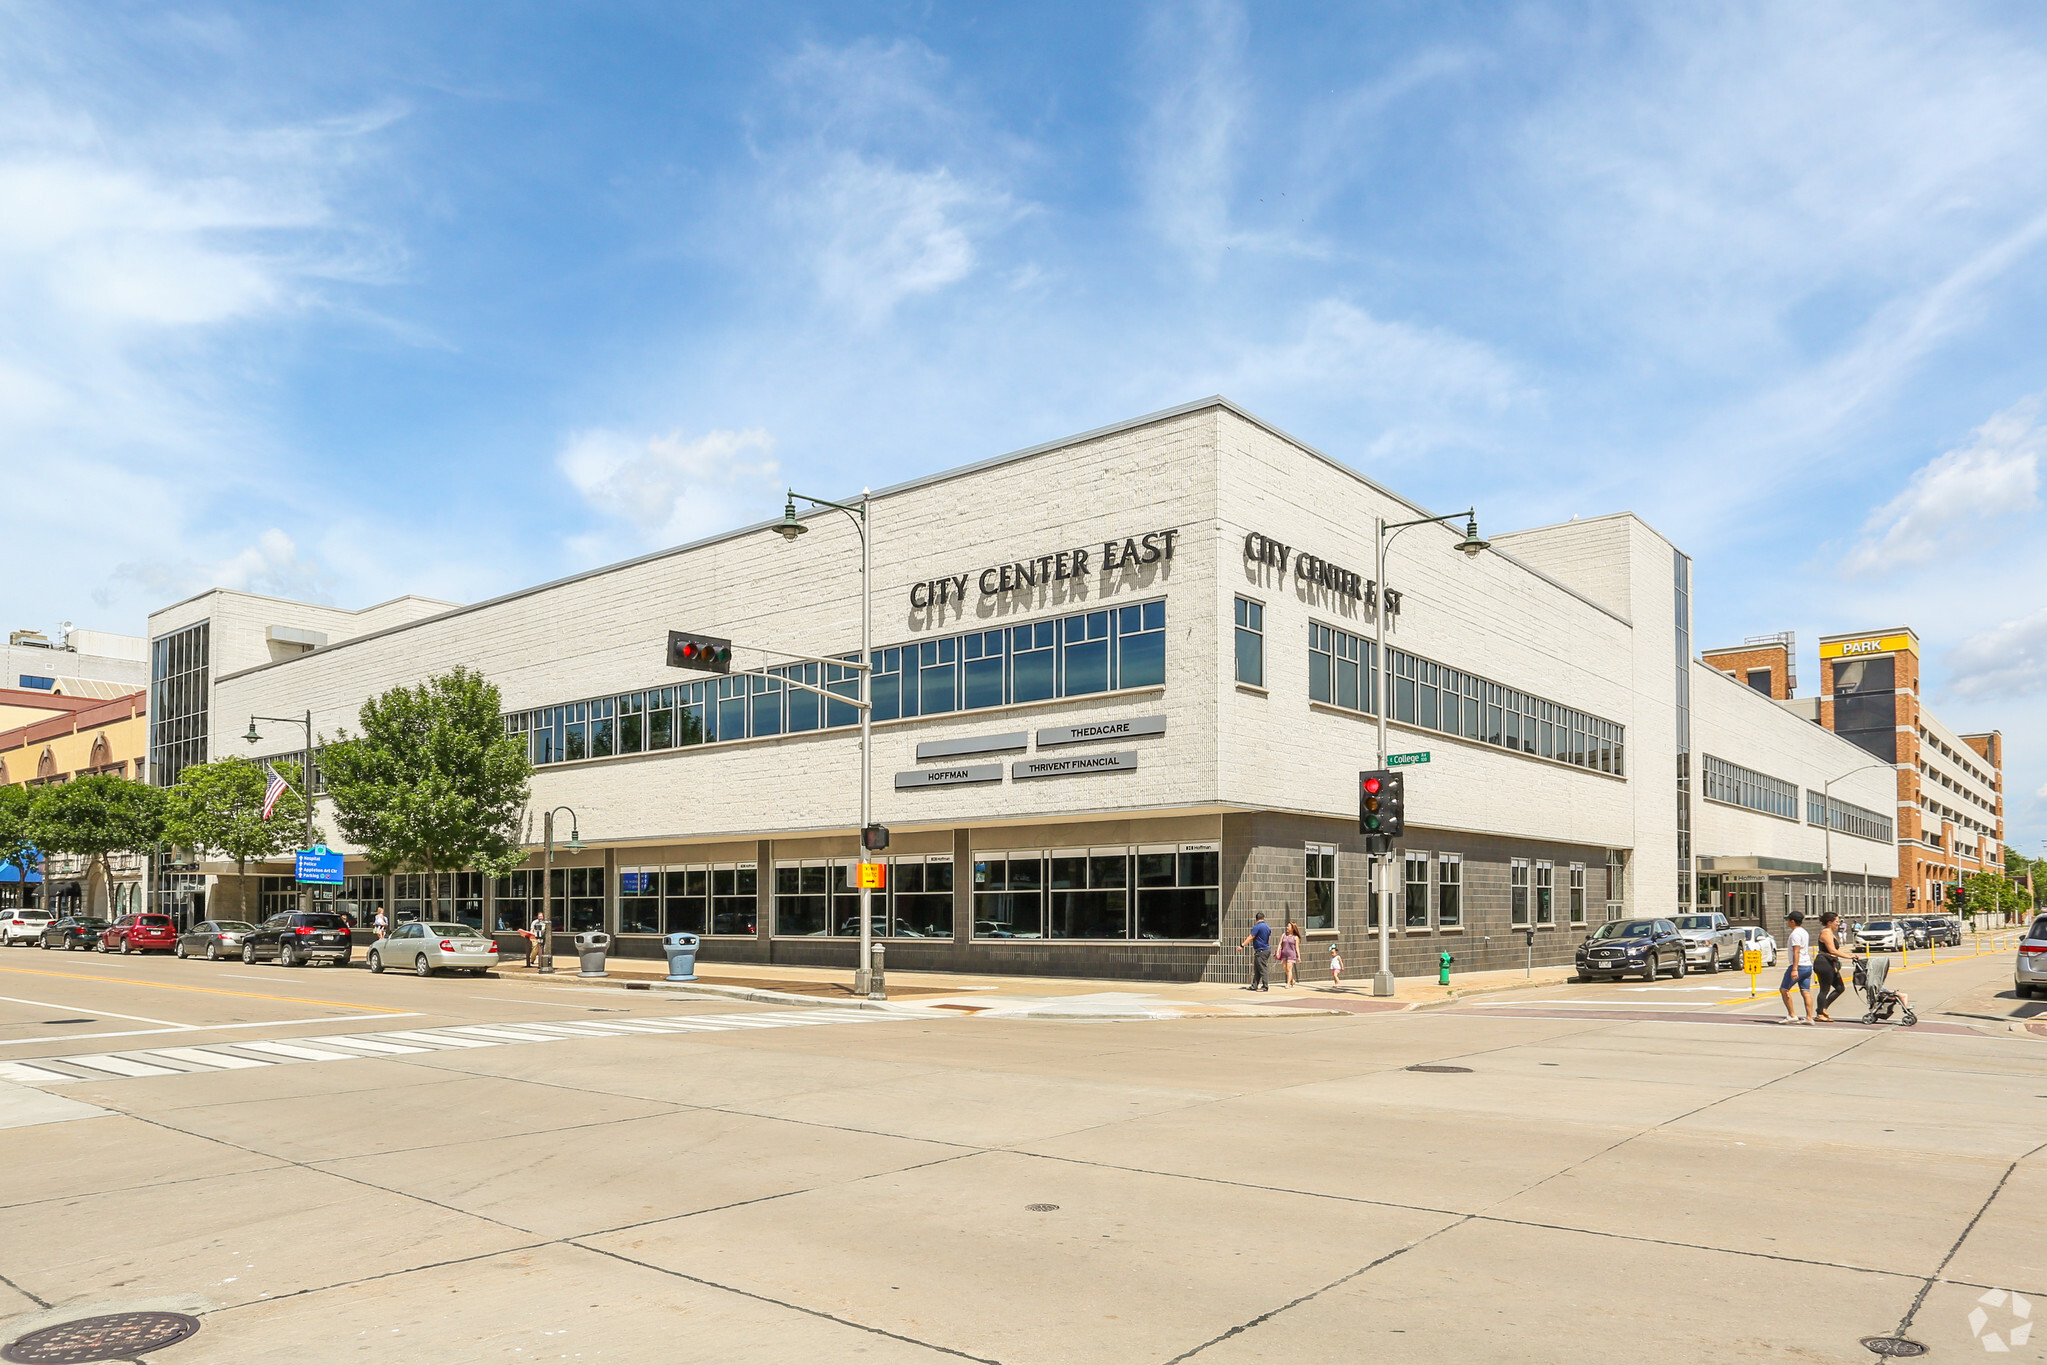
1782 867
11 873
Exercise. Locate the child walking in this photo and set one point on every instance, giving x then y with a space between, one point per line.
1335 969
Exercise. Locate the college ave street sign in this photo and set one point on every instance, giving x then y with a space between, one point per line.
1406 760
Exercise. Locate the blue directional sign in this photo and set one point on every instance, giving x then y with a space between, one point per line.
319 865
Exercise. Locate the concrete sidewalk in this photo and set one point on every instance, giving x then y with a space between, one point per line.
1045 997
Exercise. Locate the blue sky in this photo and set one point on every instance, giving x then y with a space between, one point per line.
345 301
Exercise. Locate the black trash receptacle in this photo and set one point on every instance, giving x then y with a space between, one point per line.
682 956
590 950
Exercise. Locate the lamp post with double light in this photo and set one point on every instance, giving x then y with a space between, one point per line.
1386 533
789 528
305 776
544 950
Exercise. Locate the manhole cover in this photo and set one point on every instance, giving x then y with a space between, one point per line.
117 1336
1893 1348
1464 1069
1042 1208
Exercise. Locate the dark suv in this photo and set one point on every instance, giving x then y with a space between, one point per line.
1625 947
296 939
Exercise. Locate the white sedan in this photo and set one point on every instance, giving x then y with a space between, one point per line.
1754 937
426 948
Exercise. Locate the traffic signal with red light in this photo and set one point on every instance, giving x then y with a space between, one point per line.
1382 803
705 653
1958 896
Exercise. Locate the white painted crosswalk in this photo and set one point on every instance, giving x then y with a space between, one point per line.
336 1047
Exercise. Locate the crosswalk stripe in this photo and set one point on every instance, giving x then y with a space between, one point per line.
199 1056
117 1065
437 1039
24 1073
374 1045
296 1052
515 1035
568 1030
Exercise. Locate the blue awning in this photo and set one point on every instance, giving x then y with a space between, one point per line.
11 873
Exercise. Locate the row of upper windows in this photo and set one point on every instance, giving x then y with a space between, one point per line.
1343 672
1846 818
1738 786
1941 746
1068 656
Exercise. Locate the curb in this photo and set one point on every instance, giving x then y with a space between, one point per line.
706 989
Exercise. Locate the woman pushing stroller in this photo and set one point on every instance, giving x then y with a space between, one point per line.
1827 963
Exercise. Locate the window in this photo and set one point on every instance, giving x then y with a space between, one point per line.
1319 892
1417 882
578 899
735 898
1433 697
38 684
1088 891
1009 895
1577 893
1250 642
1734 785
178 701
1070 656
1449 890
1340 670
1518 894
1545 894
1759 679
1177 891
802 899
920 895
639 900
1846 818
685 900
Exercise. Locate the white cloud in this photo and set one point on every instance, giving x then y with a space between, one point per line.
670 489
883 233
2008 660
272 565
1955 495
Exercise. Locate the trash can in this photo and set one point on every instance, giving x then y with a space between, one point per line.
590 950
682 956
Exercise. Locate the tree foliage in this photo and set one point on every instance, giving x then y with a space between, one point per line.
433 783
96 815
1991 893
17 831
217 808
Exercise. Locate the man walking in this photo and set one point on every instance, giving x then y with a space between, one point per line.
536 934
1259 940
1798 970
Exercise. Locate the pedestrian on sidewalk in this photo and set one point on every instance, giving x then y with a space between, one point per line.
1290 951
382 923
1797 971
1259 940
534 935
1827 960
1335 969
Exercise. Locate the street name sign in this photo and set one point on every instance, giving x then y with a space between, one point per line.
1406 760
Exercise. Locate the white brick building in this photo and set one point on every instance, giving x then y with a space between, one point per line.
1168 573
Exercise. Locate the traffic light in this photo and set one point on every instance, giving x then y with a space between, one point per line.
1911 896
705 653
874 838
1382 803
1957 896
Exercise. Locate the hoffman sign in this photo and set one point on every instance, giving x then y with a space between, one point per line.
1130 552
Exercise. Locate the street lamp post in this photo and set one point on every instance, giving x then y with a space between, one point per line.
1471 545
305 775
544 950
789 528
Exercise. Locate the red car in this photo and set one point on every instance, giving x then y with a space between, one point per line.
139 934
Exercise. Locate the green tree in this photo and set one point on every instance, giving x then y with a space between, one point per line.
96 815
217 808
433 783
17 832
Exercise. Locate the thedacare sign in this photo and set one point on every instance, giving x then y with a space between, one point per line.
1872 644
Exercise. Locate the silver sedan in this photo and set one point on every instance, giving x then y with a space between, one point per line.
428 948
213 939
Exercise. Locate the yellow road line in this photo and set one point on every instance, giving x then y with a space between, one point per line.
203 990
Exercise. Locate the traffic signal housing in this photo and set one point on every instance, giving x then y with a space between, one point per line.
1382 803
874 838
1911 896
1958 897
704 653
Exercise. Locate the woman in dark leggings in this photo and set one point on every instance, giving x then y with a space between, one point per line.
1827 960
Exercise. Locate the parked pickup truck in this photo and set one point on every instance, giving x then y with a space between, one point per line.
1710 942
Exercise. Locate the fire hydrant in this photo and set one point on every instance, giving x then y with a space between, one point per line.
1443 970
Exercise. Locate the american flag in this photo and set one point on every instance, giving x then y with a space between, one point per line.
271 793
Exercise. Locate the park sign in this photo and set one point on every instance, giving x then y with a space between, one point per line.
1406 760
319 865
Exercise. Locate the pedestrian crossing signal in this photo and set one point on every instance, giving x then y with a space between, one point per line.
704 653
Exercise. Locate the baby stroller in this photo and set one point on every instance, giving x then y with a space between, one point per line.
1883 1001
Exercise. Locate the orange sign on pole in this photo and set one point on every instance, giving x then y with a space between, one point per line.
873 876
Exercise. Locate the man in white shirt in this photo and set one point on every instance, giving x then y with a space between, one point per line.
1797 970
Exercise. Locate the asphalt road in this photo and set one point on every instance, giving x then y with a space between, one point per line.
322 1165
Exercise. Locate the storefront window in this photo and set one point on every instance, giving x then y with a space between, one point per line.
1089 892
639 900
1416 881
802 893
735 899
921 897
578 899
1177 891
1009 896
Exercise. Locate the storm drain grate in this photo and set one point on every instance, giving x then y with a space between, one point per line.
1042 1208
1442 1069
1893 1348
117 1336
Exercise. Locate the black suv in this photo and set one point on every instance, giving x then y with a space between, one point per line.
295 939
1625 947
